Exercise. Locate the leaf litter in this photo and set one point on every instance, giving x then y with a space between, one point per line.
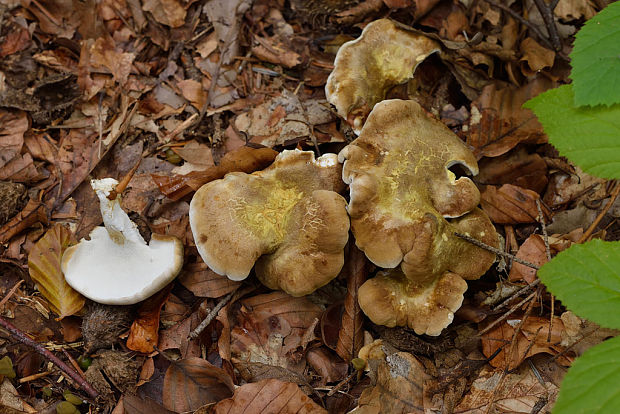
194 91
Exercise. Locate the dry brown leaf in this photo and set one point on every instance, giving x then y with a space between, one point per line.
204 282
194 92
44 269
274 50
515 167
13 124
399 384
104 54
34 212
518 392
270 329
225 15
168 12
535 57
511 204
498 122
193 382
77 156
244 159
533 250
15 40
351 334
268 396
176 337
144 329
532 340
327 365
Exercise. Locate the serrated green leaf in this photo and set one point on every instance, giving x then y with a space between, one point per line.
44 269
589 137
586 279
591 384
596 59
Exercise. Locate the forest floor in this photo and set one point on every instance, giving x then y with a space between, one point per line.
180 89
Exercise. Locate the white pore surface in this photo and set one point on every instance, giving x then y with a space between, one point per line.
119 274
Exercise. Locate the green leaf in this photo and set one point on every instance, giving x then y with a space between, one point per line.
586 278
589 137
596 59
591 384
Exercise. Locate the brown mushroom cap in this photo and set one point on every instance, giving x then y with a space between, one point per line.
385 55
398 171
287 217
405 205
428 288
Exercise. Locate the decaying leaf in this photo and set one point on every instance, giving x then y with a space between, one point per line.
519 392
268 396
243 159
270 330
533 339
191 383
399 382
511 204
498 122
144 329
44 268
204 282
12 128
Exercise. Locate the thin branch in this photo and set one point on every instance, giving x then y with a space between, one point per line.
495 250
70 372
547 14
507 314
516 294
523 21
194 334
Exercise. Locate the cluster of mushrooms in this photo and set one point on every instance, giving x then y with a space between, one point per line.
290 224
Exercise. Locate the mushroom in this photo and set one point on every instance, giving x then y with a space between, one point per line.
116 266
385 55
405 206
288 219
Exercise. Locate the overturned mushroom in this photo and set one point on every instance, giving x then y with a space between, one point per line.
385 55
288 219
116 266
405 206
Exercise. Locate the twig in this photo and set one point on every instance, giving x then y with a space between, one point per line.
546 11
341 384
34 376
543 225
523 21
11 292
598 219
507 314
194 334
23 338
495 250
120 187
516 294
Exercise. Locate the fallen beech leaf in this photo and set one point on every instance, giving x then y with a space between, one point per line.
511 204
535 56
44 269
327 365
399 385
533 250
515 167
351 334
255 371
273 50
270 330
268 396
532 340
191 383
204 282
13 124
144 329
243 159
21 169
516 392
498 122
168 12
